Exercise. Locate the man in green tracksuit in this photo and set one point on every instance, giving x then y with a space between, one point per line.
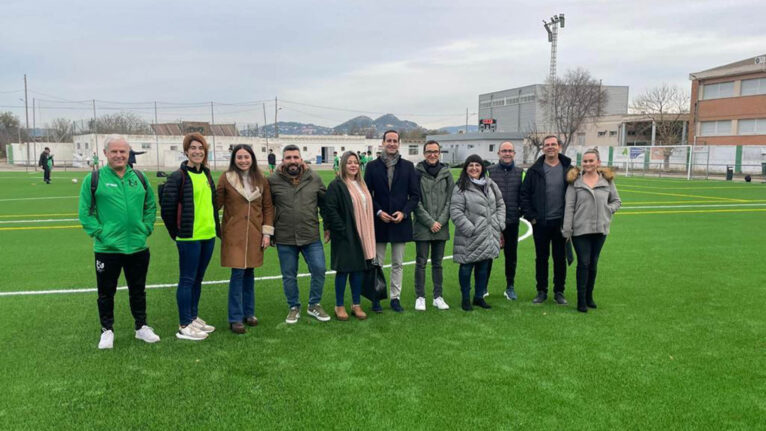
119 221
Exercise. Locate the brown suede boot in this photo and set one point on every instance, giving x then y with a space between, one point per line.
340 313
357 311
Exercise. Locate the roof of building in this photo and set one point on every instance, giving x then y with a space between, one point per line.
748 65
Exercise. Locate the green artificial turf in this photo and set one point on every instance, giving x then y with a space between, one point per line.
678 340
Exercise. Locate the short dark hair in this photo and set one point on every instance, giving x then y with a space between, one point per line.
291 147
429 143
558 141
390 131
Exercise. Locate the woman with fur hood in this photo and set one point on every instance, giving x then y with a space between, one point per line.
591 200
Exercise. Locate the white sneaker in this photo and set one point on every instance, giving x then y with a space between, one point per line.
486 294
147 334
440 304
420 304
189 332
201 325
107 340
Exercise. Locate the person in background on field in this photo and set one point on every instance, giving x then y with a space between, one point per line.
335 162
119 216
542 204
348 215
508 178
297 193
94 163
431 218
478 212
132 159
46 162
246 228
188 211
591 200
394 185
272 159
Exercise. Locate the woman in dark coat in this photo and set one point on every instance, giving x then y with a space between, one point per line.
349 218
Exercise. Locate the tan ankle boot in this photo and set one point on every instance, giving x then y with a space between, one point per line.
340 313
357 311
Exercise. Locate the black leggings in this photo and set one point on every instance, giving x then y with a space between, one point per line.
588 247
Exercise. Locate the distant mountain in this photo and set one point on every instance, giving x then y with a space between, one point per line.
361 125
460 129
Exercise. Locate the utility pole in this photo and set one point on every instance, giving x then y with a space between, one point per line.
156 139
212 133
34 128
26 115
276 109
95 127
265 135
466 120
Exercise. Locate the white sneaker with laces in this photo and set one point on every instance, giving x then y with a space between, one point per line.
189 332
146 333
201 325
107 340
440 304
420 304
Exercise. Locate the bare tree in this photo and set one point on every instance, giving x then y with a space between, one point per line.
570 100
10 130
533 138
126 123
666 106
61 130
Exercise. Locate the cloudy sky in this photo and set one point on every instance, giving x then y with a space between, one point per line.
327 61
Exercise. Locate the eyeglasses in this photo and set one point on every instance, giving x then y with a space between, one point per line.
432 152
507 151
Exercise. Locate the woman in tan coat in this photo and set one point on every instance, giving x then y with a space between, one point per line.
247 227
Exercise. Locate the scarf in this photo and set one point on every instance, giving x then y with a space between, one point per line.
390 162
363 218
432 170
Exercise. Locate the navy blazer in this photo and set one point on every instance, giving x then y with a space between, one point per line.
403 196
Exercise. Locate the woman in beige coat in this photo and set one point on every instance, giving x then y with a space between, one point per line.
591 200
247 227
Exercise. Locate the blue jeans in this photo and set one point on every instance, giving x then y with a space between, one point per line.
355 279
481 277
313 254
241 294
193 257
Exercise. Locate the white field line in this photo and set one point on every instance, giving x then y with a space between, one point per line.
38 199
526 235
44 220
628 207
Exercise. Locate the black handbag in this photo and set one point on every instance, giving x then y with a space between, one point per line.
374 285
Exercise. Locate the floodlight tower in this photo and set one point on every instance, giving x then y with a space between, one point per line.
552 27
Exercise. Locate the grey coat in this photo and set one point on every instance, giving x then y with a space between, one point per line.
479 220
589 210
433 206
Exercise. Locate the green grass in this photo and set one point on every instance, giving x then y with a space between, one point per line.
678 340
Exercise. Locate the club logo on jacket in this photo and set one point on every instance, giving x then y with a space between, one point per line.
99 266
132 182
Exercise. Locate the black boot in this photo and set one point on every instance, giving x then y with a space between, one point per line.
480 302
466 304
589 298
581 303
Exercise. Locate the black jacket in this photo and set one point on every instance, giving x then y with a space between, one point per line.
346 252
533 189
509 183
403 196
177 206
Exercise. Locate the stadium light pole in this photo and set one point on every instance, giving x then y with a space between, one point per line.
552 27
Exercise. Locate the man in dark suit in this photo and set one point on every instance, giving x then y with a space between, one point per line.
395 189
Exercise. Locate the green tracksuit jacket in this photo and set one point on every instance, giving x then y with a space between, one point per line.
124 214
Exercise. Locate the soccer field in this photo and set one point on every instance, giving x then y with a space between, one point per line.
678 340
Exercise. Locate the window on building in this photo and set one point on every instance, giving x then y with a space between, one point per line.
581 138
512 100
752 87
491 148
145 146
305 149
602 133
413 150
754 126
263 149
343 148
78 145
715 128
498 102
485 104
718 90
174 148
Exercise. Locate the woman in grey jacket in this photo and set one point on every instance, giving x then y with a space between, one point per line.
591 199
478 212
